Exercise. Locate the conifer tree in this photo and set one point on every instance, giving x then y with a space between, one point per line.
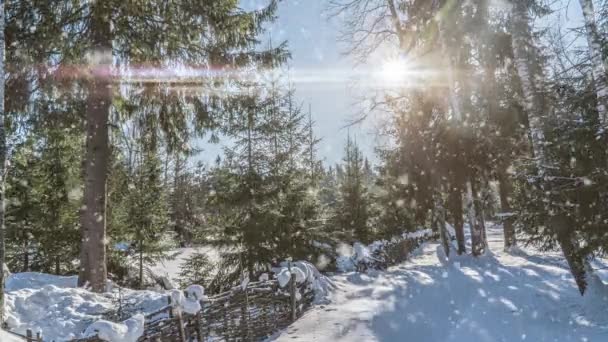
352 212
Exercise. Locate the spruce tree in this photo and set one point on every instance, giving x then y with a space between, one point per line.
352 212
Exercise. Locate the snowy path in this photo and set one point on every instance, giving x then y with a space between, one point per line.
499 297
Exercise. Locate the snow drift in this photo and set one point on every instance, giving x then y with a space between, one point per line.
55 306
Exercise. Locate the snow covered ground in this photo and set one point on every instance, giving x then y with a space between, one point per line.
498 297
7 337
55 306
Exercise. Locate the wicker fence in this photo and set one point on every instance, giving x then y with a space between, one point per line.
249 313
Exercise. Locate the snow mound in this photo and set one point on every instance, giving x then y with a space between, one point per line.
189 305
61 311
128 331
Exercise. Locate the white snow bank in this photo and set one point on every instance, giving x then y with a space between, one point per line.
128 331
53 305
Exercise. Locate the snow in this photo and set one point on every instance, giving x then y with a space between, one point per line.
8 337
305 273
195 291
128 331
283 276
529 296
33 280
189 305
349 257
54 305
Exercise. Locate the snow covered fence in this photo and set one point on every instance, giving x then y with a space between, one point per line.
381 254
248 312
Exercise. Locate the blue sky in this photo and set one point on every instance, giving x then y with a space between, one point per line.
322 75
316 54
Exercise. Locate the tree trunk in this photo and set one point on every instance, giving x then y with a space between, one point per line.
456 209
141 263
476 220
599 66
524 53
93 269
26 256
439 219
2 162
575 262
57 266
505 190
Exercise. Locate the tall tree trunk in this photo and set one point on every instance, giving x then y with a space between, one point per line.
476 220
141 262
456 209
3 153
26 255
177 199
439 220
576 261
504 191
93 270
599 66
525 56
57 265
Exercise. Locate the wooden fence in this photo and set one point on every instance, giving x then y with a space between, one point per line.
249 313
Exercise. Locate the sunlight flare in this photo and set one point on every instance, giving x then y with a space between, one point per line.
395 70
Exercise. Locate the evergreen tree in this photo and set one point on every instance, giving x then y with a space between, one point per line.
352 212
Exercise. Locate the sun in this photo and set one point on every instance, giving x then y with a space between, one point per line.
395 70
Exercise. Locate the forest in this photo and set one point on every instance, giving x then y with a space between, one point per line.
495 114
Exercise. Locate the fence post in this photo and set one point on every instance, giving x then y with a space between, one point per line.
39 337
292 294
199 329
28 335
180 322
170 307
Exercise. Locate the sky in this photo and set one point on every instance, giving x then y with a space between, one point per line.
324 77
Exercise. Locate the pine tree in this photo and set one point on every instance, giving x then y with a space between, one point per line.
352 212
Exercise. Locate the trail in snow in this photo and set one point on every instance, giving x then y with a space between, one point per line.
8 337
497 297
